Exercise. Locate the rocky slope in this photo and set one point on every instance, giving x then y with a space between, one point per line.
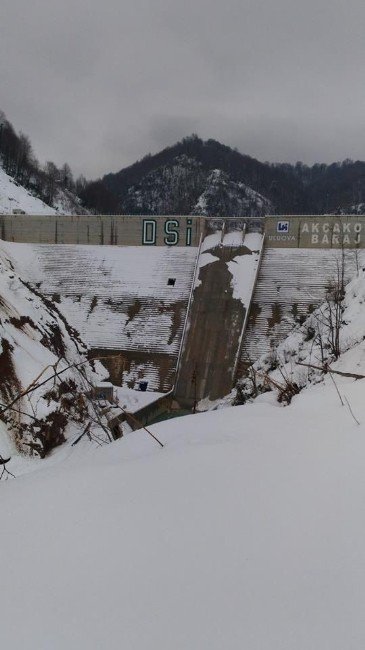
35 342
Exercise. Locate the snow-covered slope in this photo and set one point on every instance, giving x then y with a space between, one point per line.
245 531
334 328
66 202
291 283
15 197
223 196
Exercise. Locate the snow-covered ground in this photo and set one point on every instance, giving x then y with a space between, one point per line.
245 531
132 400
15 197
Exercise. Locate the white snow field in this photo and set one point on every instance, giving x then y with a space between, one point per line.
247 530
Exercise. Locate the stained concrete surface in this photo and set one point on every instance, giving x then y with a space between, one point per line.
212 340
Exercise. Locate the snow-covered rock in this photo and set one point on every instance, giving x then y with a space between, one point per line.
35 341
225 197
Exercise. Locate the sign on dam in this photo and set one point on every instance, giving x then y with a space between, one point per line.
325 231
102 230
315 231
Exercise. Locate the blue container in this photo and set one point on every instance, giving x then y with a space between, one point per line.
143 385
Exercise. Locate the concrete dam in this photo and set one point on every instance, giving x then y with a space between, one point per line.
183 302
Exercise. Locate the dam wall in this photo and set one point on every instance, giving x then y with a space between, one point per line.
227 269
300 259
315 232
291 284
186 302
128 303
102 230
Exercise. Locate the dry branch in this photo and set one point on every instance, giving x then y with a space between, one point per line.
5 472
34 386
326 369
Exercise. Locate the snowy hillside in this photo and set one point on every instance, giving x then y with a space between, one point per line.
354 208
36 341
183 186
14 196
290 189
224 196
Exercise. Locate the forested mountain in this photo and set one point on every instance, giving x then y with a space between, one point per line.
207 177
192 177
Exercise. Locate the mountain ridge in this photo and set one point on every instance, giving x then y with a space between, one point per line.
282 188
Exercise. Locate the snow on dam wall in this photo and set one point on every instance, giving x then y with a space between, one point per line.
126 283
129 303
299 260
291 284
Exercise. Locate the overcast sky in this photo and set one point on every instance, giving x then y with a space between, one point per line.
101 83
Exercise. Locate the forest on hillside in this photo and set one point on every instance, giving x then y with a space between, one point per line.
20 162
184 178
299 188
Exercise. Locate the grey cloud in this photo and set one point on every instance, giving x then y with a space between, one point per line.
101 84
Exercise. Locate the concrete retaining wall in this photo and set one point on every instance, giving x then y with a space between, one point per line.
102 230
280 232
315 232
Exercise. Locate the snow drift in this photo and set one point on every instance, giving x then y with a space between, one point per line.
245 531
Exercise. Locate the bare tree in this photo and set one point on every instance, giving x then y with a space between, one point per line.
66 177
52 176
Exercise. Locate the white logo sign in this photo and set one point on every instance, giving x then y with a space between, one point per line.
282 226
